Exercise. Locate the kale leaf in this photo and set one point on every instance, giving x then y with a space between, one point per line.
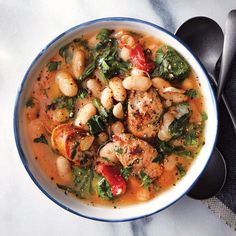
146 180
126 172
192 93
170 65
41 139
96 124
83 180
30 103
104 189
53 65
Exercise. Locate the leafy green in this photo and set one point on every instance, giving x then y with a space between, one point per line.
146 180
88 70
81 42
165 149
178 126
192 93
170 65
104 189
100 108
63 102
66 53
41 139
83 93
126 172
83 180
30 103
190 139
204 116
53 65
68 189
118 149
96 124
104 34
181 170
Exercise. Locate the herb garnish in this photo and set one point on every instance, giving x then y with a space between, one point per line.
41 139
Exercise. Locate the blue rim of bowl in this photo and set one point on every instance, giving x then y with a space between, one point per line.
16 112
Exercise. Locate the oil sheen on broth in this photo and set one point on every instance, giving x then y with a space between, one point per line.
115 117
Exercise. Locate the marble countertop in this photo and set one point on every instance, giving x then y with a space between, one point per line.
26 26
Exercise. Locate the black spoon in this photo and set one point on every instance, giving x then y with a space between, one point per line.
229 50
205 38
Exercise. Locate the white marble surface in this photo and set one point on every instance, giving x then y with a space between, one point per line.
26 26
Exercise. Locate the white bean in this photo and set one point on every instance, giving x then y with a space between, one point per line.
78 63
84 114
124 54
106 98
60 115
66 83
64 169
136 71
117 127
137 82
118 90
102 138
86 142
170 162
118 111
108 152
95 87
160 83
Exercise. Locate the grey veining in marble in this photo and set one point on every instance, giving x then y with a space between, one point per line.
26 26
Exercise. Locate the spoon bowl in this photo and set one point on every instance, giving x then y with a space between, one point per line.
205 38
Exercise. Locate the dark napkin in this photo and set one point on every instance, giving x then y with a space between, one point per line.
224 204
227 143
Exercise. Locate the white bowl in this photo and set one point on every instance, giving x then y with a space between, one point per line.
127 212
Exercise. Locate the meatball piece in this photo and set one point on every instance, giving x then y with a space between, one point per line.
133 152
144 112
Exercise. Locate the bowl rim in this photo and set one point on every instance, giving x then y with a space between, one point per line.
25 78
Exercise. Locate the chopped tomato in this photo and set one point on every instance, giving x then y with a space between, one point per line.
114 178
138 59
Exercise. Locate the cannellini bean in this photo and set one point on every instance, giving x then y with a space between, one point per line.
163 133
86 142
124 54
136 71
64 169
60 115
78 63
118 111
128 40
160 83
137 82
84 114
95 87
108 151
117 127
106 98
143 194
170 162
173 94
118 90
102 137
66 83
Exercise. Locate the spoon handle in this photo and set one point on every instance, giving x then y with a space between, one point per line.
230 112
229 50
